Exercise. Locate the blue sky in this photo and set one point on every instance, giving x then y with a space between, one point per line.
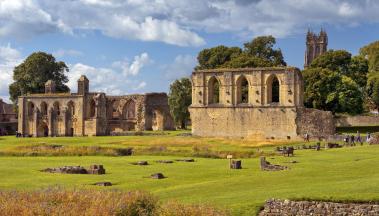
138 46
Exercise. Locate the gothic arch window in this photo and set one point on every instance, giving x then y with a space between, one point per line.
92 109
44 108
273 87
129 110
213 91
242 90
57 108
71 108
30 108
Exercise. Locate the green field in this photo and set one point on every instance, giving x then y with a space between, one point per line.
349 173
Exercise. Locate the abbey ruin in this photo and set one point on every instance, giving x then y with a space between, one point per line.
91 113
264 103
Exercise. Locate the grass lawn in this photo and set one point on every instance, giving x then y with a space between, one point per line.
349 173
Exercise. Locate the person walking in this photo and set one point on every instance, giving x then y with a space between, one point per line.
359 139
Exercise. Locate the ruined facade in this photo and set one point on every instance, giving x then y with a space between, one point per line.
91 113
254 102
8 119
316 45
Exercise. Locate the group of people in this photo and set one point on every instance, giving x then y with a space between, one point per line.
351 139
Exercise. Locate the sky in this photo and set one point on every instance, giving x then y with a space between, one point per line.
140 46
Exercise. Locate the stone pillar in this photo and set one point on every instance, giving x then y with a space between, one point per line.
50 122
35 122
64 115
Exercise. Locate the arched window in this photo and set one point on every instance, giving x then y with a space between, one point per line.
30 109
115 114
273 86
57 108
44 108
71 108
213 91
129 110
242 90
92 111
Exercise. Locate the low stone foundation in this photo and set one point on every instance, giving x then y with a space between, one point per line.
275 207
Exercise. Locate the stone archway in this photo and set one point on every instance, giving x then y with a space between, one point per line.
42 130
158 120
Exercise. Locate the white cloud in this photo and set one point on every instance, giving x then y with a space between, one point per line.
114 80
134 67
9 58
179 22
182 66
141 85
67 52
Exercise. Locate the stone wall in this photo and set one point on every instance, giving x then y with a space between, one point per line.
287 207
349 121
315 122
248 122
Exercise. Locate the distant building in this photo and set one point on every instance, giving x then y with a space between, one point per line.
91 113
316 45
8 119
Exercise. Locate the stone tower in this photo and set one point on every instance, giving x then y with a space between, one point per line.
50 87
83 85
316 46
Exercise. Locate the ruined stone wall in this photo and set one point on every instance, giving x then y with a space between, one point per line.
57 122
349 121
287 207
157 112
315 122
259 123
260 116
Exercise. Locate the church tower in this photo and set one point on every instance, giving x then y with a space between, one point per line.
316 46
83 85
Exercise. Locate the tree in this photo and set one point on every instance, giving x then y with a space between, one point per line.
372 89
257 53
31 75
180 98
262 47
338 61
320 88
371 52
245 60
358 70
350 97
328 90
216 56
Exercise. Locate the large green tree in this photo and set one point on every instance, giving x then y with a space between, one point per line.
259 52
180 98
32 74
263 48
372 90
371 52
217 56
328 90
334 60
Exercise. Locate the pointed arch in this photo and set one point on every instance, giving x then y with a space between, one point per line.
44 108
71 108
273 89
129 110
92 108
57 108
242 90
213 91
30 108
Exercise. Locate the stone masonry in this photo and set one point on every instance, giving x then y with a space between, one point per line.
299 208
91 113
262 103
